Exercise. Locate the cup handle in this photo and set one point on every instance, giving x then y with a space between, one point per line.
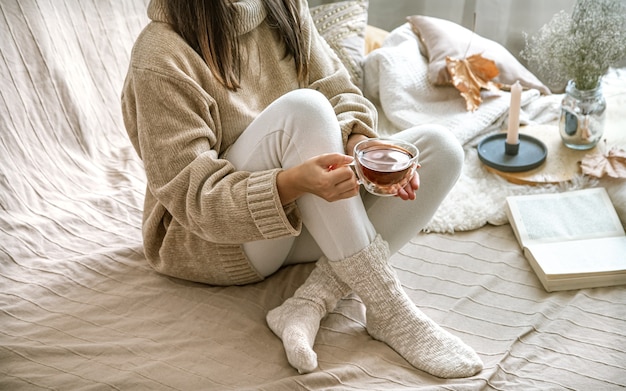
352 166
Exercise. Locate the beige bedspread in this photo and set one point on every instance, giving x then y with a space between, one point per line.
80 309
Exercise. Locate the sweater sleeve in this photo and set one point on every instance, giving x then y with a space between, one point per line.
172 122
327 74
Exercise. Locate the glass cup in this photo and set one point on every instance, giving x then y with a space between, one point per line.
384 166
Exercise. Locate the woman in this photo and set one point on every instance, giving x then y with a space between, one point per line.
238 109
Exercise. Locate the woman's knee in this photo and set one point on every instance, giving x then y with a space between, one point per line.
441 155
311 119
311 108
448 145
439 147
307 98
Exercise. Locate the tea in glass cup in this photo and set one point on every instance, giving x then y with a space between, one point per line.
384 166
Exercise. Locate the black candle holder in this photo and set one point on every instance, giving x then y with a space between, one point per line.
527 154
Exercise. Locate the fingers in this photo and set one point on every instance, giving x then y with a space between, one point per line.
415 182
344 183
408 191
333 160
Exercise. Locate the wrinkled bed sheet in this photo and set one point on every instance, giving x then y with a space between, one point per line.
80 308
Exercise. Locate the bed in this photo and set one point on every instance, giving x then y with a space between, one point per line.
80 309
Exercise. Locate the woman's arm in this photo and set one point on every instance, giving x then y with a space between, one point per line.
171 121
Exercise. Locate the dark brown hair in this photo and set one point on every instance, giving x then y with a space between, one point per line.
209 26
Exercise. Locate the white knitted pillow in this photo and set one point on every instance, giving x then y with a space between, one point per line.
342 25
442 38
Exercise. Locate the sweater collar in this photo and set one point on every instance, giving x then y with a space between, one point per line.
250 13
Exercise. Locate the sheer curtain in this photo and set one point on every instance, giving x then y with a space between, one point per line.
503 21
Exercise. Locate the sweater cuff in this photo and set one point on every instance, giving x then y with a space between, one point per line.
266 209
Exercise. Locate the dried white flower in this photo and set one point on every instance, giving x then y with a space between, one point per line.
580 46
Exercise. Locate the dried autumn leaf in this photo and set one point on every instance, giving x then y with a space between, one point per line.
612 164
470 75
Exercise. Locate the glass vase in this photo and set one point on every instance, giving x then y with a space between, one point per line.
582 117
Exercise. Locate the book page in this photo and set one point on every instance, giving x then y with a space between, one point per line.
580 257
565 216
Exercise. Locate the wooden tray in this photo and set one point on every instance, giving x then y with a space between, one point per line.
563 164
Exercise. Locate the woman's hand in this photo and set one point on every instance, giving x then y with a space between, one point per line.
326 176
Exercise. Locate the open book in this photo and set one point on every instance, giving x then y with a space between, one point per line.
572 240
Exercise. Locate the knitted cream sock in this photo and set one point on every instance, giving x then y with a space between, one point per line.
394 319
297 321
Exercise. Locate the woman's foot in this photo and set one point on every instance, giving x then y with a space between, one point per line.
297 321
421 341
394 319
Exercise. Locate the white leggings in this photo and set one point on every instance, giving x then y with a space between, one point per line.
302 124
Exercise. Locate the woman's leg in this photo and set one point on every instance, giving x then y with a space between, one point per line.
301 125
441 159
398 221
298 126
297 320
392 317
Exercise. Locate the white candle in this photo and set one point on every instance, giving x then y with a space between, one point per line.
512 135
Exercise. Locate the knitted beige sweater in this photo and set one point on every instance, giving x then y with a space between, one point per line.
198 208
